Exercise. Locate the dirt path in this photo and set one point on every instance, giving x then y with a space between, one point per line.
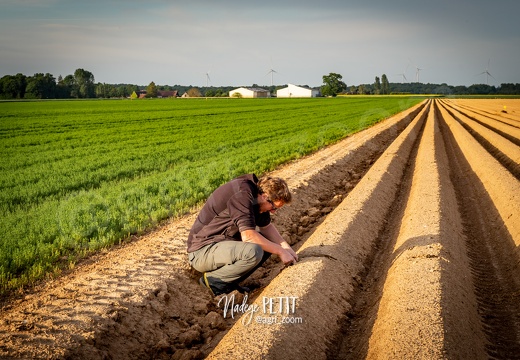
409 240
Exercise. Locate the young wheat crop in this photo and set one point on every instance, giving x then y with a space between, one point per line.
77 176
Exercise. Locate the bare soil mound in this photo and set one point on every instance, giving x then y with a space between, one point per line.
409 241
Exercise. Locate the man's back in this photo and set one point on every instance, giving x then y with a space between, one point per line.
231 209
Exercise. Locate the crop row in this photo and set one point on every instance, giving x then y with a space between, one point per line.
79 176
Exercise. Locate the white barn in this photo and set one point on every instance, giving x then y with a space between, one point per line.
296 91
250 93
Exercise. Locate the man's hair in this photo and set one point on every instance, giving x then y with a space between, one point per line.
276 188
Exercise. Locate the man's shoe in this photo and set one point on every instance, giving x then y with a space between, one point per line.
241 289
216 290
224 288
203 281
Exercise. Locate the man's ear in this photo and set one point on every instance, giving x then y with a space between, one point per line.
264 197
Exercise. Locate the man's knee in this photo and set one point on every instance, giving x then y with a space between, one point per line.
254 253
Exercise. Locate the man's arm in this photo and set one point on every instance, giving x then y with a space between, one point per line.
271 233
253 236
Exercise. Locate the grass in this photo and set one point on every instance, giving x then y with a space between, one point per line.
79 176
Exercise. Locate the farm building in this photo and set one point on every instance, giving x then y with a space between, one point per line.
296 91
167 94
250 93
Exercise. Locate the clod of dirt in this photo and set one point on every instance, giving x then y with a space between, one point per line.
306 221
191 336
313 213
214 321
336 200
326 210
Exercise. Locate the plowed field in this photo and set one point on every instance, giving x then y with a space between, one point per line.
408 235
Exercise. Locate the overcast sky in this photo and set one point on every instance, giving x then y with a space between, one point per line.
238 42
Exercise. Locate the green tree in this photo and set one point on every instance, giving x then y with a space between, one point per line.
131 88
133 96
151 90
121 91
385 85
21 83
66 87
7 87
84 84
101 90
13 86
112 91
41 86
332 84
481 89
377 86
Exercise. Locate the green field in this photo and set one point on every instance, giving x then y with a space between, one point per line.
78 176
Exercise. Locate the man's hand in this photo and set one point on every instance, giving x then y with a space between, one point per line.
288 247
287 258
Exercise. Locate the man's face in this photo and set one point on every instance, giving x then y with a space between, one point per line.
269 205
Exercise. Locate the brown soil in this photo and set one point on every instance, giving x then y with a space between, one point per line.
409 245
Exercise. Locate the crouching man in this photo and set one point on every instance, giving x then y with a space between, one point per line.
224 243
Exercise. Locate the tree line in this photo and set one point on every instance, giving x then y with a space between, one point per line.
333 85
436 89
81 85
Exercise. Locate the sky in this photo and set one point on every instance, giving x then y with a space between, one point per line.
239 42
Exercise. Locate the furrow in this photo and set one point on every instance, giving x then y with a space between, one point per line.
501 186
506 152
336 253
421 302
503 116
510 132
488 196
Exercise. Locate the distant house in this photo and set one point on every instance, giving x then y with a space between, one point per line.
167 94
296 91
250 93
